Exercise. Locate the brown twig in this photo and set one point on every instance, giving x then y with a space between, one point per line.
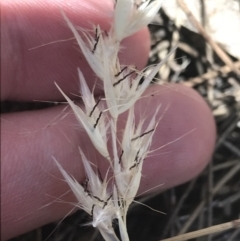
222 55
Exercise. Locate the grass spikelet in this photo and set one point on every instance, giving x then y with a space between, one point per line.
109 199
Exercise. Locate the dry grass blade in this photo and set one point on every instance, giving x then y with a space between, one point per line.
178 207
234 235
217 187
226 132
206 231
208 38
233 148
210 74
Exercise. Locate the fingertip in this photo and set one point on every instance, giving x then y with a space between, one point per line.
39 49
136 49
184 140
185 136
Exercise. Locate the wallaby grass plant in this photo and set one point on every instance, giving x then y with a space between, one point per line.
109 199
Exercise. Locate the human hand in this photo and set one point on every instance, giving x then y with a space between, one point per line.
31 138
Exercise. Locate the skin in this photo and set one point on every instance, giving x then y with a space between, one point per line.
31 181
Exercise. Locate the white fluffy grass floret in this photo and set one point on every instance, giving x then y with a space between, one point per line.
105 202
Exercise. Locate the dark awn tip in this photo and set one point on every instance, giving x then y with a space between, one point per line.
133 166
145 133
92 209
94 107
116 75
109 197
96 34
100 200
95 45
106 202
95 125
120 157
136 160
119 81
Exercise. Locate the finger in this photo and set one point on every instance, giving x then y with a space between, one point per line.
29 74
30 139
